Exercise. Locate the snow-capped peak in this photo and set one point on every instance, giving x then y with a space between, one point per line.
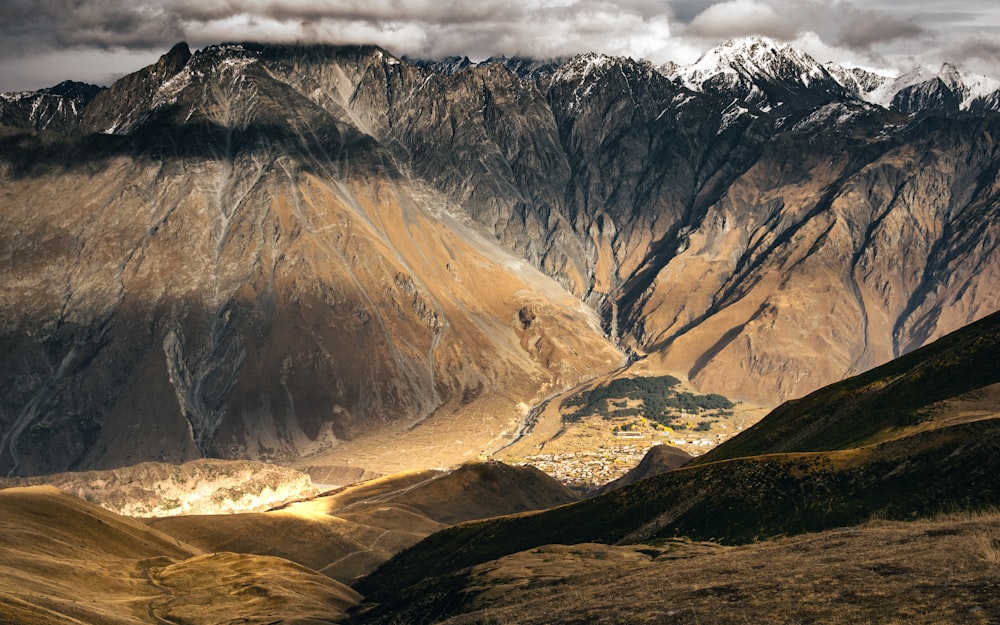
584 65
762 73
752 59
967 90
969 87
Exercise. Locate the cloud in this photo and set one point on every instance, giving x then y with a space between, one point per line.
371 11
406 26
41 24
868 28
982 48
658 30
737 18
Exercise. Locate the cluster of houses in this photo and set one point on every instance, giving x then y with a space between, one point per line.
587 469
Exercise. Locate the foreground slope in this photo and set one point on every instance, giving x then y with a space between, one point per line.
925 572
947 464
65 560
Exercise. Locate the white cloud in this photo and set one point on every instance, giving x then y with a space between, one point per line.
737 18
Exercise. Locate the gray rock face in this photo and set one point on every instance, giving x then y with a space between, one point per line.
241 272
259 251
57 108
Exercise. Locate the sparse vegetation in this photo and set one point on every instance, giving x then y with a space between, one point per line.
927 572
741 501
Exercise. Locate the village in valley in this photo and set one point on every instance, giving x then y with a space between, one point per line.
606 430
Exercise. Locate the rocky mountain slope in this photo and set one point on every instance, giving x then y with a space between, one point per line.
240 272
262 251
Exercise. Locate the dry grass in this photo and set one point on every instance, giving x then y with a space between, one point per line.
988 542
941 571
63 560
348 534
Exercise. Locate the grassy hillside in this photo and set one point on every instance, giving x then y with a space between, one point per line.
883 403
349 533
942 570
63 560
903 446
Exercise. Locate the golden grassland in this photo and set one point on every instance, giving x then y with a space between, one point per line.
944 570
63 560
348 533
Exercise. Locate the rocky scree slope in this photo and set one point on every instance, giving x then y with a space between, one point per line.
752 222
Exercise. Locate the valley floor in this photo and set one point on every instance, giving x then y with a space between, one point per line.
588 453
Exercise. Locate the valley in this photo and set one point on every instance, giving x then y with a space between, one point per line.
318 334
587 452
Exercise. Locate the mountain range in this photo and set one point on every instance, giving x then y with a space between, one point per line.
265 252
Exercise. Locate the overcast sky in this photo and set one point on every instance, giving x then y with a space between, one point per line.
43 42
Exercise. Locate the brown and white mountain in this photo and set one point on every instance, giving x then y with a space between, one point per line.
259 251
238 271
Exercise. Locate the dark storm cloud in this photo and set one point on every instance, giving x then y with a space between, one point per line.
425 11
147 24
983 48
43 24
869 28
684 11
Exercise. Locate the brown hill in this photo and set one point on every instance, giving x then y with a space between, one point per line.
925 572
348 534
659 459
65 560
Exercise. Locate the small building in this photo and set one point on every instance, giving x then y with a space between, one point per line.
628 434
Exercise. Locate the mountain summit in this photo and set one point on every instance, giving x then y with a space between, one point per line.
763 73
